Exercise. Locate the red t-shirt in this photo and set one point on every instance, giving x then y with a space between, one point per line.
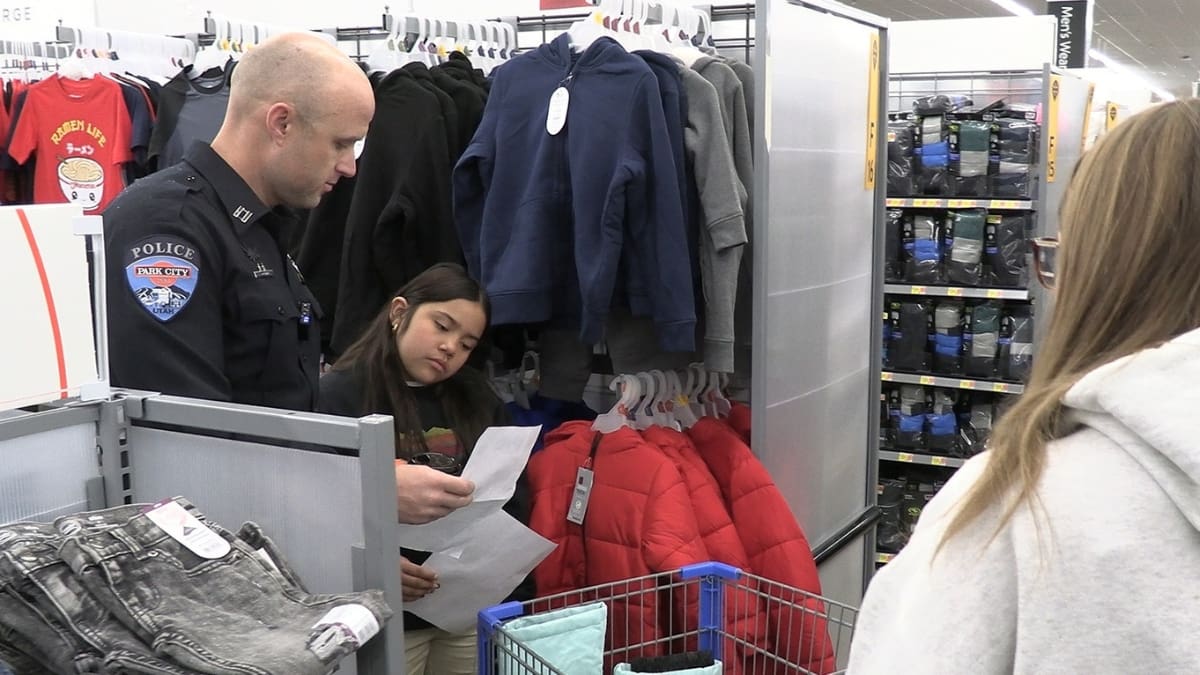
79 132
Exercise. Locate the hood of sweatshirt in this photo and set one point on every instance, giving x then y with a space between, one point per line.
559 53
1147 403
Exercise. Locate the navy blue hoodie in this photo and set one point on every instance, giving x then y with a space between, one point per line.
543 218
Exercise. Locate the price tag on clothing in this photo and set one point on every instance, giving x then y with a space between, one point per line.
556 117
353 621
583 493
187 529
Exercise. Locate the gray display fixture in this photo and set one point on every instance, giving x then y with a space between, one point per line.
818 280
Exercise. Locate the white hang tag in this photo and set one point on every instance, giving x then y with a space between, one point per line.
353 622
582 495
556 118
186 529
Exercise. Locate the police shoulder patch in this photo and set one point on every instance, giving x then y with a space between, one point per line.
162 272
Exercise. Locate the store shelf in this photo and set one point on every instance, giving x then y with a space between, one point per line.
912 458
955 383
884 558
939 203
958 292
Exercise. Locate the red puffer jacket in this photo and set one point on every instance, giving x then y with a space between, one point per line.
745 618
776 545
739 421
639 522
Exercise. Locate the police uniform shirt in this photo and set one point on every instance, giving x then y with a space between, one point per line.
202 300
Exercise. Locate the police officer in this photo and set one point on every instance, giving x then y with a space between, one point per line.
202 299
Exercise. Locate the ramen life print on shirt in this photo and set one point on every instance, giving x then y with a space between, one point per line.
79 134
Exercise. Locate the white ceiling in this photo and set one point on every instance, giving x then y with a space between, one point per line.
1153 36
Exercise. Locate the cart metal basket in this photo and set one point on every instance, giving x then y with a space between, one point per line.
753 625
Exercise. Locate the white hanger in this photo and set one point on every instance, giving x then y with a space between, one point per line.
687 51
666 400
618 417
682 408
643 416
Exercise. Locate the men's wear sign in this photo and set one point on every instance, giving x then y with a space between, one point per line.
1073 31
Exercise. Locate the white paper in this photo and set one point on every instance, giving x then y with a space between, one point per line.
479 568
499 457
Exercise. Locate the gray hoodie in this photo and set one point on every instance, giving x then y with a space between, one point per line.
1101 576
723 225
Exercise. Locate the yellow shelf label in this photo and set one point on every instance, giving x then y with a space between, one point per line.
1000 388
966 384
925 203
959 203
873 69
994 294
926 380
1052 129
894 202
954 292
905 457
918 290
938 461
888 377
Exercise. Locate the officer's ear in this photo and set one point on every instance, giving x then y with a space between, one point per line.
282 119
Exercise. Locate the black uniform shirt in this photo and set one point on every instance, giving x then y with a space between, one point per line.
202 300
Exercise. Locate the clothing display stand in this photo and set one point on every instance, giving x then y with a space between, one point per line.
1060 102
334 516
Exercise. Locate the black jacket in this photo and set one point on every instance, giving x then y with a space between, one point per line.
343 393
400 219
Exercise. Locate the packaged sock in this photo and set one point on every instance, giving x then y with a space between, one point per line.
1006 250
894 246
943 422
947 337
910 336
1017 359
922 249
889 533
910 421
900 158
984 343
937 104
964 241
933 156
971 157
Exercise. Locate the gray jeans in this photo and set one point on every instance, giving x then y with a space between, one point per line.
239 614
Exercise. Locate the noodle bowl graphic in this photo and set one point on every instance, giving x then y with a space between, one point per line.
82 181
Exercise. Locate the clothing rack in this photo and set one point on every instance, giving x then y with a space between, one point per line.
117 41
27 49
547 24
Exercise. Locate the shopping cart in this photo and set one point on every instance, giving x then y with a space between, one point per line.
755 626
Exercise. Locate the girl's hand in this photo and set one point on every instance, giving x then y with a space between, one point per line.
416 581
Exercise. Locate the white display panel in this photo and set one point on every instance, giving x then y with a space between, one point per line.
45 297
29 490
971 45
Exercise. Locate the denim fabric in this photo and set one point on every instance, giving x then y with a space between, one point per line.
23 623
235 615
13 661
99 642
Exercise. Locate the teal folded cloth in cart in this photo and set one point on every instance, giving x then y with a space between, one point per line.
570 640
715 669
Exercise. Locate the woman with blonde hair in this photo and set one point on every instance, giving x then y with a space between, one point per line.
1072 545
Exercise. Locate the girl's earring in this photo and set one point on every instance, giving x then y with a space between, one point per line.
395 326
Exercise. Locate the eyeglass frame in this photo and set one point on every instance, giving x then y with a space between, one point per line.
1039 246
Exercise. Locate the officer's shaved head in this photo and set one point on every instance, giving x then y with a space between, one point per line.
297 68
297 106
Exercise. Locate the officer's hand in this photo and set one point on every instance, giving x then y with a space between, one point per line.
416 581
424 494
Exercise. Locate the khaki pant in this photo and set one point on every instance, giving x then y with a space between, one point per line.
433 651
